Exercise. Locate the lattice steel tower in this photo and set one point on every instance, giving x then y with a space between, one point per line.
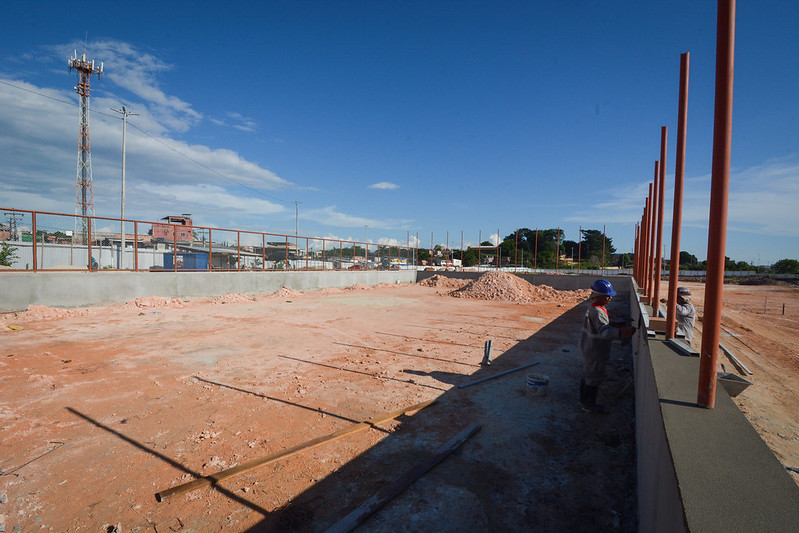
84 193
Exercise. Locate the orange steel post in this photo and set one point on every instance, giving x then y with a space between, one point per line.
653 215
516 253
579 249
644 241
679 176
661 193
135 245
210 249
535 256
647 239
33 245
719 194
637 254
238 250
603 249
479 247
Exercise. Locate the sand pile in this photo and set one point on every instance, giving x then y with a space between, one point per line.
359 287
508 287
42 312
443 281
285 292
154 301
233 298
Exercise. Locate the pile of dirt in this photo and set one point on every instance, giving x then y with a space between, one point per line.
233 298
443 281
154 301
511 288
42 312
359 287
285 292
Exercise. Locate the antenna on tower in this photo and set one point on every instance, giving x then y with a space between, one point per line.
84 195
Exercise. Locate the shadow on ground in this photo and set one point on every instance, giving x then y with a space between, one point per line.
538 463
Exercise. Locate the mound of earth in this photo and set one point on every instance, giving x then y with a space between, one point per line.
511 288
443 281
232 298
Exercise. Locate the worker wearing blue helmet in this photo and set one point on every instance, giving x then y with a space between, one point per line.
596 337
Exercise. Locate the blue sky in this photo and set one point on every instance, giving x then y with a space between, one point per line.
409 118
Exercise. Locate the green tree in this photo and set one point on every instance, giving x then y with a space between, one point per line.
8 254
593 242
470 257
786 266
688 261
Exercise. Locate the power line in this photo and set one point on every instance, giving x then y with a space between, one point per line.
156 139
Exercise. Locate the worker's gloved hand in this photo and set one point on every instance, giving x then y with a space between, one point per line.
626 332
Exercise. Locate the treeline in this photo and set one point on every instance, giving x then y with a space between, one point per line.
783 266
538 249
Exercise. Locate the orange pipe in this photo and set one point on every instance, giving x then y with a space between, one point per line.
719 194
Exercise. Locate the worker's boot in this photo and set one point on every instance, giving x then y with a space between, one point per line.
590 405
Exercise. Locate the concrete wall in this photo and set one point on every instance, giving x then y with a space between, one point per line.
18 290
700 469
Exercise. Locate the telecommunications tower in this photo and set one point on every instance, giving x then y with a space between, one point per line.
84 193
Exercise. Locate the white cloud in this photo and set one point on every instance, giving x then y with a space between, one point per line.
384 185
762 200
38 155
329 216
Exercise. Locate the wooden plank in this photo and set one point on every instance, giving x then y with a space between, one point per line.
389 492
255 463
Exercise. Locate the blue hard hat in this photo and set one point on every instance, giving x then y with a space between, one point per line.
603 286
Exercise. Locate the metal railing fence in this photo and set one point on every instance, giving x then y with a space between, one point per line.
44 241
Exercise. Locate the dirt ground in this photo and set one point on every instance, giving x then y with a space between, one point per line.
102 408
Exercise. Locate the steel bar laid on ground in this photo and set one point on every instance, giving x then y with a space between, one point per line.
255 463
734 359
495 375
389 492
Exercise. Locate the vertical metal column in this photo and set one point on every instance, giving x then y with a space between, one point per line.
653 215
661 193
648 245
679 176
719 194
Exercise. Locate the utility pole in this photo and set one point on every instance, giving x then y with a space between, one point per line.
125 114
12 220
84 193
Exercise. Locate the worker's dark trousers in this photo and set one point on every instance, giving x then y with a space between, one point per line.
588 393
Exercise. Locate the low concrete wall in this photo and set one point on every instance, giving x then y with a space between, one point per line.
701 469
79 289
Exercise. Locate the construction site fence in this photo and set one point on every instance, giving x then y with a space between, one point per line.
44 241
66 242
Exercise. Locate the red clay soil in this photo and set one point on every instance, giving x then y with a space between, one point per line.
102 408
